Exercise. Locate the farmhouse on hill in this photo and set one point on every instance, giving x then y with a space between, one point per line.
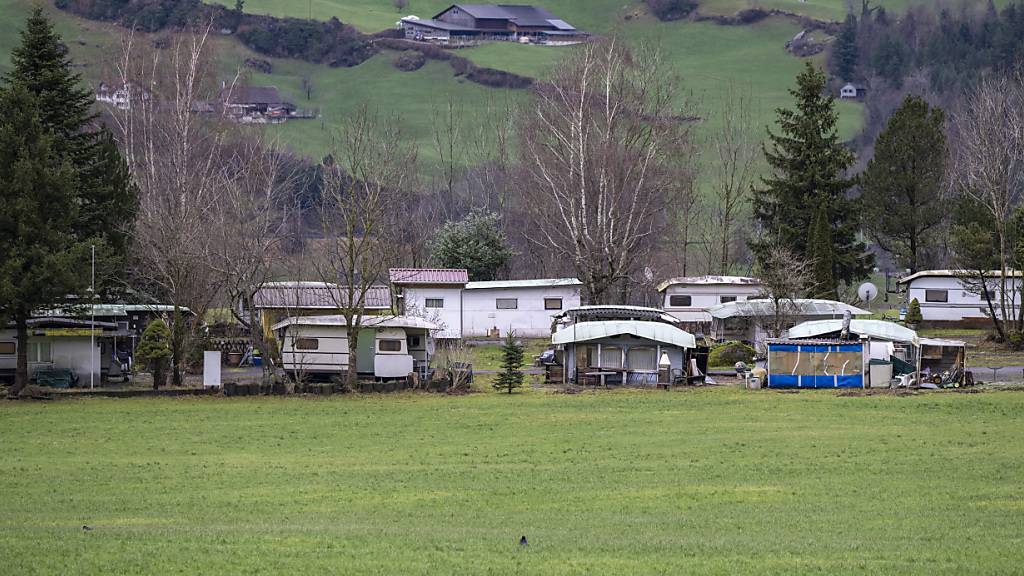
473 23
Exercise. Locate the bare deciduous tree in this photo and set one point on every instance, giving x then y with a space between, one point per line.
988 166
174 161
600 161
362 197
733 168
784 276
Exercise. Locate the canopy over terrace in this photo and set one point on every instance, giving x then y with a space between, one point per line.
624 351
874 329
614 312
795 307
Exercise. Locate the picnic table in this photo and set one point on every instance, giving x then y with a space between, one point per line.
603 372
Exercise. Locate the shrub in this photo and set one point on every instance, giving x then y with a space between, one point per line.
914 313
154 351
667 10
729 353
410 60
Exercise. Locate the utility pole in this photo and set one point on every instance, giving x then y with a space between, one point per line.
92 323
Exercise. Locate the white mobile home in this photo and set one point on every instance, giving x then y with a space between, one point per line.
526 307
688 298
945 298
388 347
81 346
462 308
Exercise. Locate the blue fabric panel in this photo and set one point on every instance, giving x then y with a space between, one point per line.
851 381
782 381
782 347
814 348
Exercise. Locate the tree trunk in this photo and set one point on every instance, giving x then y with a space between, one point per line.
353 353
21 368
177 345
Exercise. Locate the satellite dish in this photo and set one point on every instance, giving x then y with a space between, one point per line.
648 274
867 291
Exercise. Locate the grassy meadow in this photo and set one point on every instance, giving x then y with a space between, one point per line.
697 481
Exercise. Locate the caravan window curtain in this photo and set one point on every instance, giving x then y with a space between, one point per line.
642 359
611 357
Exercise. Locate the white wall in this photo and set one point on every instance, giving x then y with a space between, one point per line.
529 319
449 317
961 303
69 352
704 296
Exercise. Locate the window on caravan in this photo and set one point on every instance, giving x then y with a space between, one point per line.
414 341
936 296
611 357
434 303
390 345
725 299
7 348
506 303
552 303
680 300
307 344
39 352
642 359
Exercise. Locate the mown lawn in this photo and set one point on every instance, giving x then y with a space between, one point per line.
716 481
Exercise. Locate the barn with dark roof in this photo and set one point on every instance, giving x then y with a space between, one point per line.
471 23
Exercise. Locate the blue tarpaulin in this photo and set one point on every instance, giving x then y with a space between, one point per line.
815 365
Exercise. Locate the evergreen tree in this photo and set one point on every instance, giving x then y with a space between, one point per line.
913 317
902 183
42 259
63 185
845 54
154 351
823 281
511 375
476 243
808 165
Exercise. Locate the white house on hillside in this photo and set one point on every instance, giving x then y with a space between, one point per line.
944 298
476 309
688 298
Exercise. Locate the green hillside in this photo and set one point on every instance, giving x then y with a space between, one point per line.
707 56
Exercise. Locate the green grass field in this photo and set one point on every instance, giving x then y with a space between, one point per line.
708 481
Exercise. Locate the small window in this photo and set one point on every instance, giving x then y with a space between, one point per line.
7 348
39 352
552 303
307 344
936 296
389 345
414 341
679 300
725 299
435 303
506 303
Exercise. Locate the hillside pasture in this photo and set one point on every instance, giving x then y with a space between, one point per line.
705 481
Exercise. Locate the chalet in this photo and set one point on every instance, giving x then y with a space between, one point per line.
471 23
688 298
120 97
945 298
256 104
852 91
477 309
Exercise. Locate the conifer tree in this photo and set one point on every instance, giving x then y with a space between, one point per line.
63 185
902 185
154 351
808 166
823 282
511 375
845 54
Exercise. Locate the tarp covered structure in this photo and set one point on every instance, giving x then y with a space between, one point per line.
655 331
815 364
875 329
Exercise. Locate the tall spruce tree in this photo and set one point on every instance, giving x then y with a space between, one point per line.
845 54
823 279
902 184
808 165
63 186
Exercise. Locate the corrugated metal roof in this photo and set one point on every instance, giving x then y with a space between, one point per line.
796 306
534 283
953 274
656 331
612 311
368 322
708 281
315 295
878 329
429 275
